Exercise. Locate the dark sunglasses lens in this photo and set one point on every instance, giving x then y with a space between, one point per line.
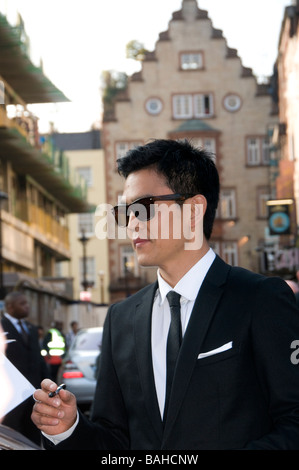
120 214
143 211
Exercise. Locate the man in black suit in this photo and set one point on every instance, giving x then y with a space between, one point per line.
24 353
234 385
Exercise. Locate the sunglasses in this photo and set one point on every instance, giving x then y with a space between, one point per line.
143 209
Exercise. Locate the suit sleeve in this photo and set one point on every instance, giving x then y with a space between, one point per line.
275 327
107 429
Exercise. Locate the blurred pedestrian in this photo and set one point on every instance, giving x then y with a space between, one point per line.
72 333
24 354
54 348
41 334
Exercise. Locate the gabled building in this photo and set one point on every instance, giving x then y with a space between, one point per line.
37 186
192 85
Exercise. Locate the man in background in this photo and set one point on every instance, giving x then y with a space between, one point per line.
24 354
72 333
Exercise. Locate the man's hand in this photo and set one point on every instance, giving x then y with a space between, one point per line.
53 415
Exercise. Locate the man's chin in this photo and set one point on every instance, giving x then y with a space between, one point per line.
145 262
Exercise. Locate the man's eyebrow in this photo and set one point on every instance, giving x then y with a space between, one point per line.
122 200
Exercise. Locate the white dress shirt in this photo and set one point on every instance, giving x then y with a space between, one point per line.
15 322
188 288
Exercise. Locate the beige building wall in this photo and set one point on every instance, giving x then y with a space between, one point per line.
95 248
220 74
288 70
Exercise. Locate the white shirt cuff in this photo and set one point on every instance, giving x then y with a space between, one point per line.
57 438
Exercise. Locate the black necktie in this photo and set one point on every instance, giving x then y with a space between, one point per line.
23 332
174 340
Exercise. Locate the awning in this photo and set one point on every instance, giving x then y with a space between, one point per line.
194 125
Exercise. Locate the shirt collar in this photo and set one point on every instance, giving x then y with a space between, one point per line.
189 285
14 321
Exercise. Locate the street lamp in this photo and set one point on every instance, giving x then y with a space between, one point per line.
85 283
3 197
101 276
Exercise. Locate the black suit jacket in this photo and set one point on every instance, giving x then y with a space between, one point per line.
244 397
28 360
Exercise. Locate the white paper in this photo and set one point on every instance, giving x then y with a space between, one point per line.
20 387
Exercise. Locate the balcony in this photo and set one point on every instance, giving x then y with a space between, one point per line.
48 166
19 238
49 232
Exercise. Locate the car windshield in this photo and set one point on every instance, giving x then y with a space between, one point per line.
88 341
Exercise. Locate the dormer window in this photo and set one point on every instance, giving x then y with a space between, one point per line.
191 60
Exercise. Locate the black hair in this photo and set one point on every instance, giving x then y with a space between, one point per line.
186 168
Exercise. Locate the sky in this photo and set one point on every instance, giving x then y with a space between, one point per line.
77 40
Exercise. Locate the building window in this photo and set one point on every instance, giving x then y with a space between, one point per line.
154 106
128 262
86 173
191 61
227 204
230 253
263 195
121 148
258 151
215 246
203 105
86 223
189 106
265 151
209 143
182 106
232 102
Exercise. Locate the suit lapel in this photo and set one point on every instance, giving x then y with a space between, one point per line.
143 317
202 314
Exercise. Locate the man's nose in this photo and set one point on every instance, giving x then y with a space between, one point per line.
133 224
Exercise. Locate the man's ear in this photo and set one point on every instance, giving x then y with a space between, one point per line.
198 209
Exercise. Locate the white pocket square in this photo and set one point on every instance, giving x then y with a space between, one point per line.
225 347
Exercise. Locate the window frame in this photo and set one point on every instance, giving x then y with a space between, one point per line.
85 225
129 145
199 65
86 173
259 153
230 212
192 110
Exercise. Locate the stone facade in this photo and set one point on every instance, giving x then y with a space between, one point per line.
194 86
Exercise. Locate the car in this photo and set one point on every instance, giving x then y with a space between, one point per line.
79 366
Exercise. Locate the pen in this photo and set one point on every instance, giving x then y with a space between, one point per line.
52 394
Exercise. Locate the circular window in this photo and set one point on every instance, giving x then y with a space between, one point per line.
154 105
232 102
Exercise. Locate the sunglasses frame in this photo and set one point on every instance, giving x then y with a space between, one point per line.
150 200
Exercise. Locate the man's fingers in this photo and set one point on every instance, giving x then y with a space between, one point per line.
48 385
